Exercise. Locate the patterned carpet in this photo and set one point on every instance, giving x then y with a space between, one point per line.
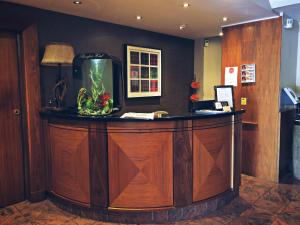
260 202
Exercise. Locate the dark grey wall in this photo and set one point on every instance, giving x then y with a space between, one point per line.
94 36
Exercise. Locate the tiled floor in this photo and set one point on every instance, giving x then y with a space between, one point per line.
260 202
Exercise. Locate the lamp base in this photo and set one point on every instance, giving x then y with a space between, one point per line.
60 90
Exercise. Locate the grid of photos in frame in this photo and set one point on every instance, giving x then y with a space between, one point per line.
144 71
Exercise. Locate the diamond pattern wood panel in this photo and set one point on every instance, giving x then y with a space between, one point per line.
70 162
211 162
140 169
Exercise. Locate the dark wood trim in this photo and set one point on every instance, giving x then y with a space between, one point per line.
23 116
183 164
36 157
98 165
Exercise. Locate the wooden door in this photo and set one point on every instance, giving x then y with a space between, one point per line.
11 156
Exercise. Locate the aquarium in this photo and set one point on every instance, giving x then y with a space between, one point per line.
97 79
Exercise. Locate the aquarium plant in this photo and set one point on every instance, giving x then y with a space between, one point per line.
95 101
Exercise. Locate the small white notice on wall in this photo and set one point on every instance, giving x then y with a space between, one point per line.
231 75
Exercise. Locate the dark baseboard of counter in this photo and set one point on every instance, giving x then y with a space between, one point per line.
197 209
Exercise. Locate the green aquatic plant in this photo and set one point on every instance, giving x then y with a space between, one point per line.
96 76
97 101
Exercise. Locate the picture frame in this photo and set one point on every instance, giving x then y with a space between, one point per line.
224 93
248 73
143 72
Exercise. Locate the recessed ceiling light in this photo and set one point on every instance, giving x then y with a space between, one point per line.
225 18
221 34
182 26
185 5
139 17
77 2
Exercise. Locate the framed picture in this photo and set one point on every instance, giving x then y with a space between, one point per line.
224 93
247 73
143 72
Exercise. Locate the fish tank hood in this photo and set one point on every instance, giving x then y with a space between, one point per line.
98 78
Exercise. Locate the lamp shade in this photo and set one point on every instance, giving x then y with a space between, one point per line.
58 54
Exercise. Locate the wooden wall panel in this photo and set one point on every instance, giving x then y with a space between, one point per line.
211 161
140 169
70 162
32 125
258 43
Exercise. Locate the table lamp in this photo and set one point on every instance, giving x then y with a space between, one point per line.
59 54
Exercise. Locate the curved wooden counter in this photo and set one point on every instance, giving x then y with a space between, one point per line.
143 171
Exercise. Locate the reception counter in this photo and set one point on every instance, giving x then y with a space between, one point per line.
141 171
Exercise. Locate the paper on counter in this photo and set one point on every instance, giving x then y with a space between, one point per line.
133 115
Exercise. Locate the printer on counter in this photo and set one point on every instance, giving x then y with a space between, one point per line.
203 104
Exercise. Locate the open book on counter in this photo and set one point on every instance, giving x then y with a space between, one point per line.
144 116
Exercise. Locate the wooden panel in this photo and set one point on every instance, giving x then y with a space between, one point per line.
31 82
98 164
140 169
70 162
211 162
258 43
183 164
11 156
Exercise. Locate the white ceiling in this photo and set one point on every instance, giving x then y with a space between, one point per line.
203 18
281 3
292 11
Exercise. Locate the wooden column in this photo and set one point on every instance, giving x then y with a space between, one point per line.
258 43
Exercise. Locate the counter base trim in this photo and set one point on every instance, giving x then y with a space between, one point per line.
197 209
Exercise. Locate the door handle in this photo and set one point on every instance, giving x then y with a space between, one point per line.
17 112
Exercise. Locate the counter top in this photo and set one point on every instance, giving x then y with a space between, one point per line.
116 116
